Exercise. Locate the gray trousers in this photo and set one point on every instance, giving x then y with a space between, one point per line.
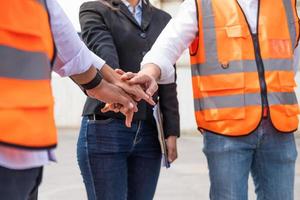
20 184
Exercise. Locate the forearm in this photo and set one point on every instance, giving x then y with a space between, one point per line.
109 74
85 77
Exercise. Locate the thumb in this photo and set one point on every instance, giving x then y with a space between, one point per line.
119 71
140 79
129 117
152 87
127 76
127 102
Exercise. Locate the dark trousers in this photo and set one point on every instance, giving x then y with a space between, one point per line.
119 163
20 184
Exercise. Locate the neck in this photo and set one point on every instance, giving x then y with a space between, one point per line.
133 3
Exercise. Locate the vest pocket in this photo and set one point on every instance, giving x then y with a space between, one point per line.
221 80
237 31
225 113
287 79
292 110
223 97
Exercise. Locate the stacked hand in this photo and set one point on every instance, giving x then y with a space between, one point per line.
134 85
125 90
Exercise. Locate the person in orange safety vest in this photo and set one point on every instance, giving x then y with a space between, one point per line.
243 55
36 37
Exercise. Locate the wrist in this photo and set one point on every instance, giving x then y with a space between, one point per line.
96 81
110 75
151 70
171 138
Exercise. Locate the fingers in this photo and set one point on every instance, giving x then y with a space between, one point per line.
140 79
111 107
172 148
152 88
136 91
127 76
150 101
119 108
147 81
139 94
119 71
127 102
143 80
172 155
129 117
106 108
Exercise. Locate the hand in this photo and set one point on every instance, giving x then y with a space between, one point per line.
133 89
171 143
115 107
110 93
146 81
114 77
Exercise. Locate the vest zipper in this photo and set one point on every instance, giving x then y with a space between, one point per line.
261 74
259 62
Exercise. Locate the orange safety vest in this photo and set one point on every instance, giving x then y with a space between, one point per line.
26 51
225 75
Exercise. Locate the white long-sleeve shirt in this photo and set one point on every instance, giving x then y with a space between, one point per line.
73 57
181 31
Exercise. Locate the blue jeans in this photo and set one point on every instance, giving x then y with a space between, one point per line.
268 155
116 162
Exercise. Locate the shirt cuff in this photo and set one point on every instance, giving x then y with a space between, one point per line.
167 75
97 61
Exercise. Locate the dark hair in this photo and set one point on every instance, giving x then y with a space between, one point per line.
112 3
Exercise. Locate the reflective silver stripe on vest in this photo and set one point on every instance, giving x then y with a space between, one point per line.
284 98
242 100
24 65
231 101
278 65
241 66
289 10
209 33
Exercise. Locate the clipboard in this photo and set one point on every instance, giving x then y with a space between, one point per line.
161 135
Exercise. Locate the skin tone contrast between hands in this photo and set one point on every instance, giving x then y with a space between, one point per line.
122 90
147 80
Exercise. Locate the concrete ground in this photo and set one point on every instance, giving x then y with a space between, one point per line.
186 180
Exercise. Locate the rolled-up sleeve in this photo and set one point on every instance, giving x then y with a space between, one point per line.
72 56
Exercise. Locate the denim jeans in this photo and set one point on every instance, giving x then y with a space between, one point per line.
268 155
116 162
20 184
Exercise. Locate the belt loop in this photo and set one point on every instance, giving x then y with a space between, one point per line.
94 117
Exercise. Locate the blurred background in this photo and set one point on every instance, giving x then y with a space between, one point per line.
188 177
